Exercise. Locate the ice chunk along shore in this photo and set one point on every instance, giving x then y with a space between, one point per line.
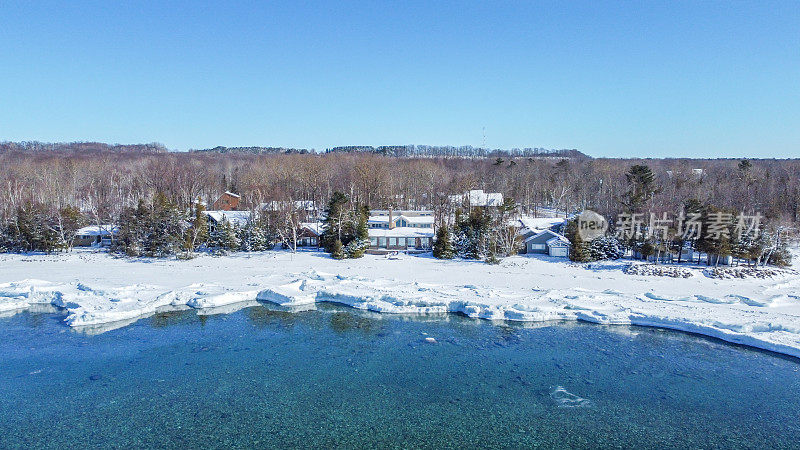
771 323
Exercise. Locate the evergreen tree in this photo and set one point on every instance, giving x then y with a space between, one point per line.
723 249
358 245
336 218
337 252
472 234
647 250
254 236
34 230
154 230
443 246
781 256
605 247
223 238
5 240
641 188
579 249
165 228
132 230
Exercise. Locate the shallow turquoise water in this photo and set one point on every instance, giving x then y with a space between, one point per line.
340 378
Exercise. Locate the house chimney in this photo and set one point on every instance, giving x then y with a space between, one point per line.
391 222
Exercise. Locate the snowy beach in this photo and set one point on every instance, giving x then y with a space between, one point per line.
100 292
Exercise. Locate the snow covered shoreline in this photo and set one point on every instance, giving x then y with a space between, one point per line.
100 292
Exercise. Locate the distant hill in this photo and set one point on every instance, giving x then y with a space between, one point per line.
79 147
466 151
397 151
253 150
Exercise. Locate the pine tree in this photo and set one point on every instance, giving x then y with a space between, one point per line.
647 249
472 235
154 230
336 218
165 228
443 246
223 238
356 247
336 250
723 249
605 247
579 250
132 231
254 236
34 230
642 187
5 238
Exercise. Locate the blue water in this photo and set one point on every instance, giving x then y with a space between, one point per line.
340 378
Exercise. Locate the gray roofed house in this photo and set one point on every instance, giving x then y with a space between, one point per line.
547 242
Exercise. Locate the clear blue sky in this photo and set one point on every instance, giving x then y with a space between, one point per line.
669 78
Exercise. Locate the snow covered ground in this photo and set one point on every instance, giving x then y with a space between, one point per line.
101 292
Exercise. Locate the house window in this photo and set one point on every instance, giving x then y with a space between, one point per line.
392 242
373 242
537 246
401 242
382 242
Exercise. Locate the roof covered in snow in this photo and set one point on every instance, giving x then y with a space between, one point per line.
239 218
537 224
276 205
477 197
95 230
316 227
558 241
401 232
553 236
408 218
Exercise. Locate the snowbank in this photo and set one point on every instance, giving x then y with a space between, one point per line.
100 293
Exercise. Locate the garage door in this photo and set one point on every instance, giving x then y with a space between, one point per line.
558 251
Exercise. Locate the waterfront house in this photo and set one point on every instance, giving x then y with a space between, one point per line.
547 242
226 202
408 231
95 236
309 234
234 218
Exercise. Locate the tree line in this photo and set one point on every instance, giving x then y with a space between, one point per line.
49 186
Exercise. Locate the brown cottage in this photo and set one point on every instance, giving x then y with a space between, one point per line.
226 202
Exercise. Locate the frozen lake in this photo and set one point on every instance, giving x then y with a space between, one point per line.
337 377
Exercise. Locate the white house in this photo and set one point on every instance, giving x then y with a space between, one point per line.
410 231
547 242
478 198
235 218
